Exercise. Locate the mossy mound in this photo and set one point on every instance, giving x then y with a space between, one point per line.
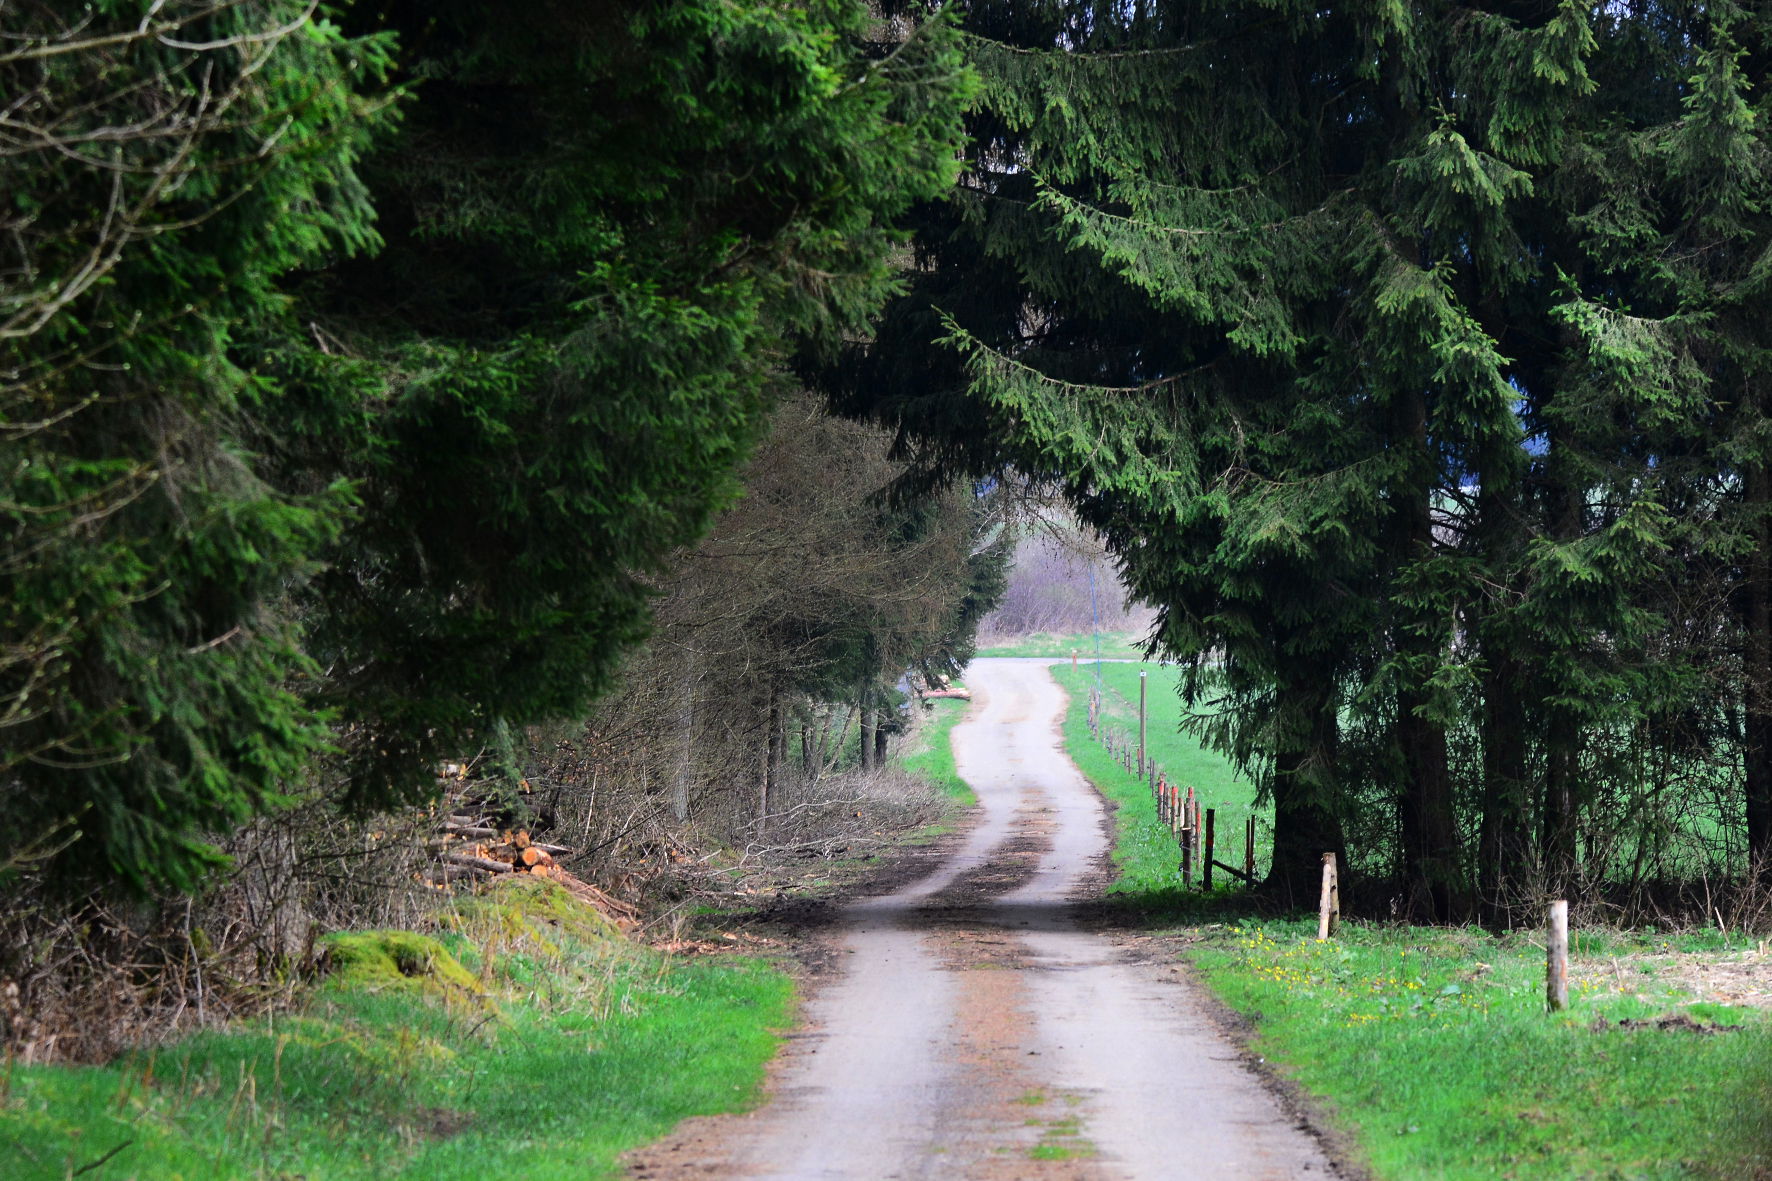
525 907
396 959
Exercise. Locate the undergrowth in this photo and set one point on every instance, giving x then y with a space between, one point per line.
518 1031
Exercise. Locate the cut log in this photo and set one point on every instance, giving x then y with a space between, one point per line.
444 874
472 862
479 831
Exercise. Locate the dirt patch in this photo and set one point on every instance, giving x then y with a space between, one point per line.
1014 1126
1723 978
439 1123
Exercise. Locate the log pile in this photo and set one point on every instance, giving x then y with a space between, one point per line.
469 848
939 687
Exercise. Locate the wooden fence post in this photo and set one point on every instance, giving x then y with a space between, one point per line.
1556 958
1194 811
1141 688
1206 860
1329 903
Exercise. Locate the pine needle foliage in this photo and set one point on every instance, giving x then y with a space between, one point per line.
1408 359
361 367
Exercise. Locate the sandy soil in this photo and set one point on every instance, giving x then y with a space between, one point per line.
976 1025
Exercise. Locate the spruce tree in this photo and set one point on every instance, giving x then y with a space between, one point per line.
161 167
605 230
1381 344
359 369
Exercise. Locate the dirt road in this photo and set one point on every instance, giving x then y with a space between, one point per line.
979 1029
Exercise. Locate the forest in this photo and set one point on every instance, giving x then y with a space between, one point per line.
1412 362
615 409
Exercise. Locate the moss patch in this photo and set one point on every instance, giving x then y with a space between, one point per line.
404 960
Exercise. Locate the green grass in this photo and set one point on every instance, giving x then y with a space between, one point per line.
1144 850
1431 1046
1114 645
930 755
520 1035
1434 1047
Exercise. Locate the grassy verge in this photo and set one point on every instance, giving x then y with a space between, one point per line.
930 756
520 1032
1431 1046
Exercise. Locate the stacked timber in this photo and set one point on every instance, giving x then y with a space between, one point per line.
474 848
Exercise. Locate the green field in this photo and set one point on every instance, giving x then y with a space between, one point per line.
1431 1046
1113 645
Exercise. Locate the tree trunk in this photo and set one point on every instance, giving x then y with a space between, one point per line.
1757 706
1504 839
1562 726
778 739
685 737
1431 861
867 731
1504 846
880 733
766 794
1430 835
1305 823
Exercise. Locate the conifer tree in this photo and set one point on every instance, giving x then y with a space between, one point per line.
605 230
1381 344
161 168
324 428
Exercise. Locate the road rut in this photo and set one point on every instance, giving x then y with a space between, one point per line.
979 1029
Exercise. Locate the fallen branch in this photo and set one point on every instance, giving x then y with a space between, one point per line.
1233 871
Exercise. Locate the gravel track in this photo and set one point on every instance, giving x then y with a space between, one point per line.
977 1027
